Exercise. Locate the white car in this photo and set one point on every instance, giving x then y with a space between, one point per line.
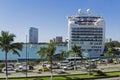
23 68
9 68
68 67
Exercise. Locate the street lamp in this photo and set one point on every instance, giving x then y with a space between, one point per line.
26 56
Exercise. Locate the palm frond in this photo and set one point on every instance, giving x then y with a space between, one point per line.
15 52
6 43
17 46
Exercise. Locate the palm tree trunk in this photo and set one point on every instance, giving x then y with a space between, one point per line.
75 62
6 65
51 69
42 65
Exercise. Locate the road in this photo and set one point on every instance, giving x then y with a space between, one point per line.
104 68
36 73
30 74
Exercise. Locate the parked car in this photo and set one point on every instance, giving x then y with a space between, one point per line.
102 62
90 66
9 68
55 67
46 65
43 69
68 67
23 68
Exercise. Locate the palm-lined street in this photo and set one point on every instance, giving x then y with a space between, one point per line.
104 68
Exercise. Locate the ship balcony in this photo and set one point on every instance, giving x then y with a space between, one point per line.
85 22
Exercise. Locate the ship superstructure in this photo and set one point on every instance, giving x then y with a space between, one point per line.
88 32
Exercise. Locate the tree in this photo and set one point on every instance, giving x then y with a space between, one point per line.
62 54
7 45
57 57
76 50
110 54
111 50
112 44
42 53
67 55
49 52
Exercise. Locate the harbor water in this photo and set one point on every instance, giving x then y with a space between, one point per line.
31 52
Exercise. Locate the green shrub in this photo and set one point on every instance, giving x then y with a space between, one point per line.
32 63
98 73
1 65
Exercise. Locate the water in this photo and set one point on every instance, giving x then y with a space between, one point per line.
31 52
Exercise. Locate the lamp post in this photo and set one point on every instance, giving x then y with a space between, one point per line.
26 56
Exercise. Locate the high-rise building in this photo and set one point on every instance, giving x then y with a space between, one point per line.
33 35
88 32
58 39
109 40
52 40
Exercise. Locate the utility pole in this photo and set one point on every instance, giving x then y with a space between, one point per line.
26 56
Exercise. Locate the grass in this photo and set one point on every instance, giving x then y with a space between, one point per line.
113 74
70 77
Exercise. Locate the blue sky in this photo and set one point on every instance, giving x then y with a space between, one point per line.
50 16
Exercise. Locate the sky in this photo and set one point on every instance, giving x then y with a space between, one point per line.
50 16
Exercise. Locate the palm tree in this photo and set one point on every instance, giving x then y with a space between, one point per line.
76 50
67 55
42 53
7 45
50 53
110 53
62 54
57 57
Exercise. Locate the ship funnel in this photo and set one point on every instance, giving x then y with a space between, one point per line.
88 11
79 11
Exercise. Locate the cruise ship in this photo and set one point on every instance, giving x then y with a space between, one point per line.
87 31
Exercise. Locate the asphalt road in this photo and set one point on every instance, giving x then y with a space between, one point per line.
36 73
104 68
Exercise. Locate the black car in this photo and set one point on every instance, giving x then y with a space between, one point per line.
91 66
